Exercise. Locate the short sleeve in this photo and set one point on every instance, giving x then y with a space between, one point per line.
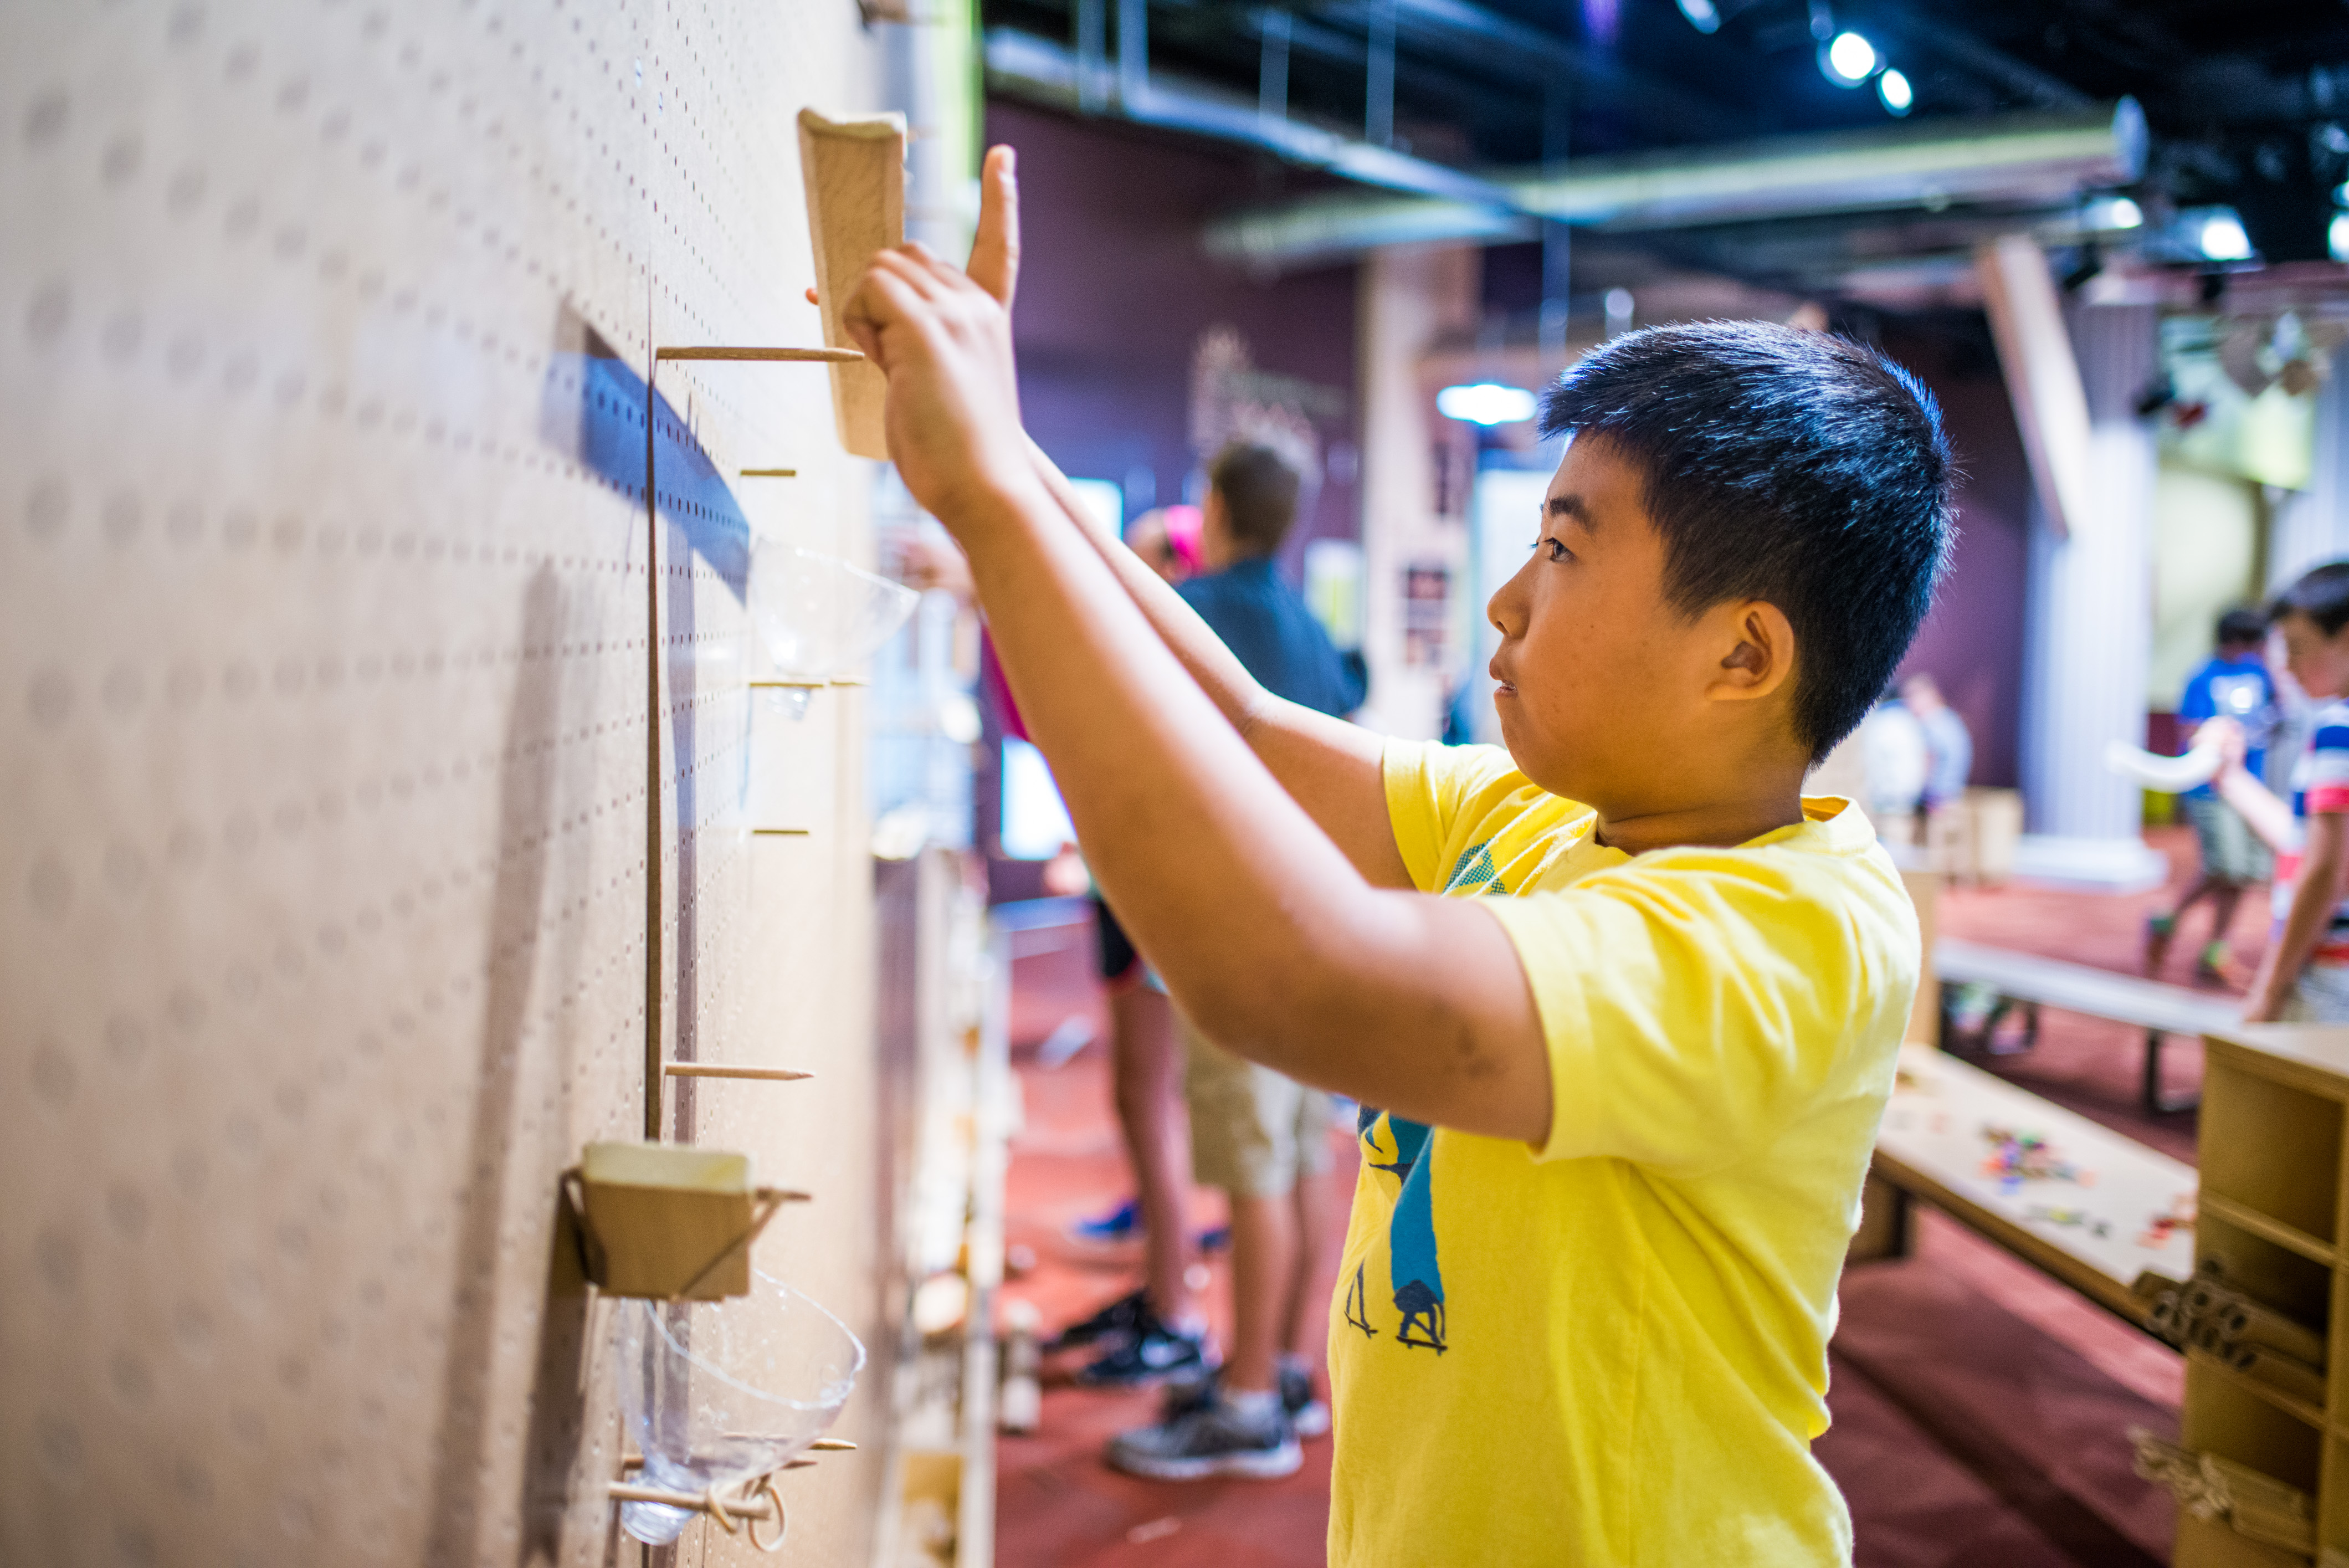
1429 786
1695 1011
2327 787
2196 703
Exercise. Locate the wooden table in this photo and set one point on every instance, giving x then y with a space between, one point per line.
2090 1206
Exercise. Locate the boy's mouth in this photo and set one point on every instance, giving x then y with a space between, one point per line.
1506 686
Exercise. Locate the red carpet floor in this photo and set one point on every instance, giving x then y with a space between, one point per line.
1979 1407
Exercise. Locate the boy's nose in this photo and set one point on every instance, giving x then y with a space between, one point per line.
1505 609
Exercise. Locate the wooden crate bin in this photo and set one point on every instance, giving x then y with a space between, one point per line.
2260 1142
2273 1201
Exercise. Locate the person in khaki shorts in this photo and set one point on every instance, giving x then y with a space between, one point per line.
1261 1137
1255 1133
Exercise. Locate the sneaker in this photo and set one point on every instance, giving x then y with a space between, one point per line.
1156 1354
1121 1318
1123 1223
1307 1416
1210 1437
2159 930
2217 967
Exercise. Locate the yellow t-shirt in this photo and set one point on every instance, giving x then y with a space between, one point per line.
1612 1350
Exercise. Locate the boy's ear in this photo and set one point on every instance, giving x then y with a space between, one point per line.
1760 655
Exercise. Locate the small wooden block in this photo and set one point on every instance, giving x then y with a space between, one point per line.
659 1214
855 172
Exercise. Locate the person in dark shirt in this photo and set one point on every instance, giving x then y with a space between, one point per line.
1242 594
1255 1134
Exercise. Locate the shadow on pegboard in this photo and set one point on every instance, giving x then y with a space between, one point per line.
526 805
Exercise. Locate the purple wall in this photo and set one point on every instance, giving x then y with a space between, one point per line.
1114 292
1971 644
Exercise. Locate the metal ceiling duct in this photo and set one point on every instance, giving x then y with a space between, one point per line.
1035 69
2031 159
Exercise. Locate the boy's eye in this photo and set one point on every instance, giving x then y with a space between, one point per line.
1554 548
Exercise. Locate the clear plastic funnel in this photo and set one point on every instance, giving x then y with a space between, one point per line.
716 1393
819 616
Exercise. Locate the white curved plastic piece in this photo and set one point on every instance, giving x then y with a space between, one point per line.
819 616
2168 775
716 1393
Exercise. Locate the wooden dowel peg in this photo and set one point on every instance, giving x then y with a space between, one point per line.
629 1491
718 1070
833 1446
771 473
764 355
782 832
788 685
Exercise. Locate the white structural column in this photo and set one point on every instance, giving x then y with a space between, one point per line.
2090 628
2313 526
1408 296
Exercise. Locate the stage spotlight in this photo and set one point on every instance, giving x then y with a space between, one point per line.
1702 14
2221 237
1894 89
1849 60
2337 238
1485 403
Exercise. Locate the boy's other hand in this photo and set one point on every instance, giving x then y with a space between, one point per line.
2227 736
944 342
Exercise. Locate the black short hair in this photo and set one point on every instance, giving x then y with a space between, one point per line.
2240 627
1259 491
1784 465
2320 593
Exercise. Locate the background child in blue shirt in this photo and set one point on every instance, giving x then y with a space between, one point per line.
2234 683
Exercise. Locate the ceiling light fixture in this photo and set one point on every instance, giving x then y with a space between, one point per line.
1894 89
2222 238
1702 14
1849 60
2115 213
1485 403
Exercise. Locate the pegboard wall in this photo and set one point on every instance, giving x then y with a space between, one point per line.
324 333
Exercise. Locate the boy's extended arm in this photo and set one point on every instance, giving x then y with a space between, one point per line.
1327 766
1270 937
2315 896
2267 815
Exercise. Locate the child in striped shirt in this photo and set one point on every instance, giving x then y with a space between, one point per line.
2304 978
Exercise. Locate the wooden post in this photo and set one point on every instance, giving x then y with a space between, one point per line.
855 172
2043 378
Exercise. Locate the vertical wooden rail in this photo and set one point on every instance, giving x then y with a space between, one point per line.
653 1077
656 1073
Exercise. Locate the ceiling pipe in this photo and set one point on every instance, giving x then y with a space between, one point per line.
2036 157
1028 67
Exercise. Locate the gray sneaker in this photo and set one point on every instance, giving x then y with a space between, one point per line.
1207 1437
1307 1416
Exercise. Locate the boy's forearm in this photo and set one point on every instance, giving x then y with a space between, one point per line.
2267 816
1330 767
2314 900
1201 653
1277 945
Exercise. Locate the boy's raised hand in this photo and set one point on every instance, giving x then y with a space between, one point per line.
943 336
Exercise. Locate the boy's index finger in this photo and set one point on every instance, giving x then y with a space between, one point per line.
994 248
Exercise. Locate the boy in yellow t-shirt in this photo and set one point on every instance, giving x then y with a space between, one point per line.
1627 1062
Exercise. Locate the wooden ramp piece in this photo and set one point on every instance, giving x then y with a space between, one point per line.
2088 1204
855 172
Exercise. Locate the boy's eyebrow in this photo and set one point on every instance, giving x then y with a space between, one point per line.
1568 506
